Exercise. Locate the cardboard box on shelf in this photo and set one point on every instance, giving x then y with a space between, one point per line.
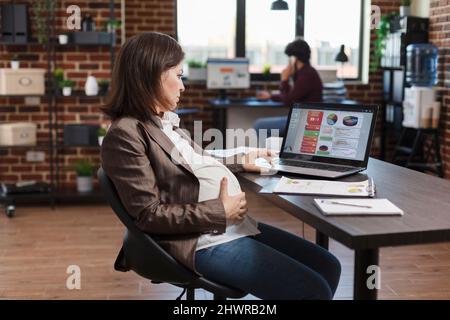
18 134
23 81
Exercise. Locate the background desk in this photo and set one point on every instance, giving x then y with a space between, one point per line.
424 199
242 113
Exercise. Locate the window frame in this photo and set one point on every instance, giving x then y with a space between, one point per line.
240 45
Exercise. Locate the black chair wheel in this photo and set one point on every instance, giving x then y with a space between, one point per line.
10 211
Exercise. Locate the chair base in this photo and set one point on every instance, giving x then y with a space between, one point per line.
190 295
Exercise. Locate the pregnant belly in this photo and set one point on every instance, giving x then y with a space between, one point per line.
210 187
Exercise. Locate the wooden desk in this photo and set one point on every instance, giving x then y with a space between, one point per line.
424 199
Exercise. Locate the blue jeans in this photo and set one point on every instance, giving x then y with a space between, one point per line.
274 264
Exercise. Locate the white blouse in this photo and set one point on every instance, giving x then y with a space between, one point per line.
209 173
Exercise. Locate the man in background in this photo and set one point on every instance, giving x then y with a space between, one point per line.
306 85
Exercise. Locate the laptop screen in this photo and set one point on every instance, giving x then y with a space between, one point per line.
336 132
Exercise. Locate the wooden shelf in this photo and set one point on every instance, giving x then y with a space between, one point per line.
72 147
7 43
80 94
37 146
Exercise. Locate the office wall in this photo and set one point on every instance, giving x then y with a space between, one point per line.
440 36
140 16
149 15
78 62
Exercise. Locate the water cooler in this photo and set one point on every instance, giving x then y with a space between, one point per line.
420 112
420 109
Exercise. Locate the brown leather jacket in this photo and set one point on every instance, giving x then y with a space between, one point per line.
158 189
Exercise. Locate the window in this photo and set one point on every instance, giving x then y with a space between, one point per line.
330 24
236 28
206 28
267 33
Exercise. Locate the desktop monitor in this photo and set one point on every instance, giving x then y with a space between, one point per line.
228 73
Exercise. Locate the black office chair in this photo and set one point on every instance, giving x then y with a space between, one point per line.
145 257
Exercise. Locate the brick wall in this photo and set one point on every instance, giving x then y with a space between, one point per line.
78 62
440 36
149 15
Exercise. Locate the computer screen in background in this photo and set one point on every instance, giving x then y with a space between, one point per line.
228 74
329 133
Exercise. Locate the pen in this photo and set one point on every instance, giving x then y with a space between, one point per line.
347 204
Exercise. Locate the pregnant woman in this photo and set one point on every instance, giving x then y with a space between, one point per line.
191 203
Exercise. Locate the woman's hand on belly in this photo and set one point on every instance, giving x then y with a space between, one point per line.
235 206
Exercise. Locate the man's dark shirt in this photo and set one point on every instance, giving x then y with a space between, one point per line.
307 87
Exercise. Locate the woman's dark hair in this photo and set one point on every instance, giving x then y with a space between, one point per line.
300 49
136 87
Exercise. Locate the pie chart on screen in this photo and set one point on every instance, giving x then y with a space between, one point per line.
323 148
332 119
350 121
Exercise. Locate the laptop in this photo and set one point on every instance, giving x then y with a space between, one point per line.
327 140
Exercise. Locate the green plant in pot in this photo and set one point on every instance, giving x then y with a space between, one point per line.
382 32
266 71
66 85
58 74
197 70
101 133
103 87
44 13
84 169
112 24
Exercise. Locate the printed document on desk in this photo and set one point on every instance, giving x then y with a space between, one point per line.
323 187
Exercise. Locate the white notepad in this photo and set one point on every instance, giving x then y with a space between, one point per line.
366 207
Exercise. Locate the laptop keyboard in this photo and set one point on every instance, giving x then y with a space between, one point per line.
310 165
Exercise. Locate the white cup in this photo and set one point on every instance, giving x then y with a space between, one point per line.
15 64
63 39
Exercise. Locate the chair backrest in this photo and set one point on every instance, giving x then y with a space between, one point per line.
142 254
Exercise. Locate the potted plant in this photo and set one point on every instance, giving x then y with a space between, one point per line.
405 8
197 70
66 85
266 71
42 9
380 42
103 87
15 64
112 24
84 169
101 133
58 75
